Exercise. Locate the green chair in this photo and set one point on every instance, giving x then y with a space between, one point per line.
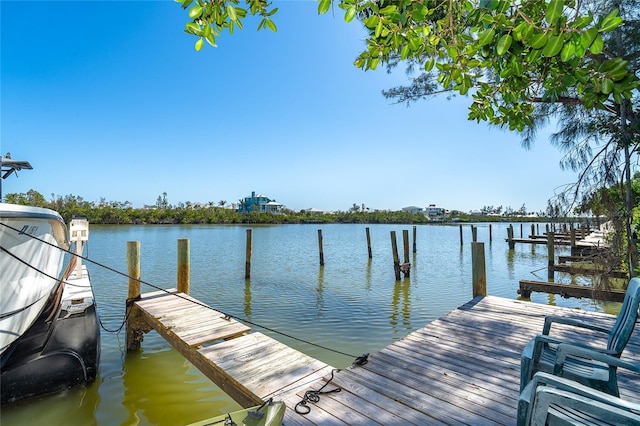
552 400
540 354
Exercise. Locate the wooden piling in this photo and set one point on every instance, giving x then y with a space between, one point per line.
490 234
184 265
369 242
134 335
474 233
461 240
320 249
521 234
479 275
551 254
405 242
406 266
415 235
512 243
247 263
396 259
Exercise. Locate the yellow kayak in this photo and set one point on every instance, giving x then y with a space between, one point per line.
268 414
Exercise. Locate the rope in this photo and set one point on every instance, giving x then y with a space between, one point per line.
314 396
184 297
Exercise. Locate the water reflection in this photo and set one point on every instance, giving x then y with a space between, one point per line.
320 292
156 392
247 298
401 307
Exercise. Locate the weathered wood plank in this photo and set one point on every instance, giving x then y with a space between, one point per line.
462 368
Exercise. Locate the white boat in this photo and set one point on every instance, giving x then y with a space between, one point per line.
49 334
31 262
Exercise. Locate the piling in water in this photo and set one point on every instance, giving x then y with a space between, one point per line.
396 259
479 274
184 265
320 249
247 263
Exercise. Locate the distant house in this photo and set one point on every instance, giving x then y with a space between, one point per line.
433 211
413 209
258 203
313 210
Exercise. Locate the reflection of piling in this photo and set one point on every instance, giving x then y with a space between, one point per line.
184 265
396 259
320 249
369 242
247 263
479 274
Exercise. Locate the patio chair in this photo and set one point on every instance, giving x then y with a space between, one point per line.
541 352
551 400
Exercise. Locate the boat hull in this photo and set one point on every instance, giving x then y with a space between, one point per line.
57 354
30 266
269 414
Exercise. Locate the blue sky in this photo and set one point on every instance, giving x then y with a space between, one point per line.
110 100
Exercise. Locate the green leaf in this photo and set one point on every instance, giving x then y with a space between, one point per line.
195 12
231 11
371 21
271 25
610 22
350 14
192 28
588 36
388 10
323 6
523 31
404 53
504 44
568 52
597 45
199 44
583 21
378 29
554 10
428 66
607 86
486 36
538 41
553 46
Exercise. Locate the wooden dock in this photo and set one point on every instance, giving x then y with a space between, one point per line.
460 369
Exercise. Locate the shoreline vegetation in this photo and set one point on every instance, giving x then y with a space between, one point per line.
117 213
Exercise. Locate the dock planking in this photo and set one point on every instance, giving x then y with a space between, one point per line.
463 368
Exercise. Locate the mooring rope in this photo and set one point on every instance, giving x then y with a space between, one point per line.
358 359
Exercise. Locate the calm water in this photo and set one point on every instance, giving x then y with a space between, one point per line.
352 304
